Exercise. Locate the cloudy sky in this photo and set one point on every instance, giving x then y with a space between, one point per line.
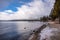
24 9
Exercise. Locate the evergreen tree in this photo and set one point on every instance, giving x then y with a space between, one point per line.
56 10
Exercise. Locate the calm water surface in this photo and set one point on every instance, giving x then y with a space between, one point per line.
12 29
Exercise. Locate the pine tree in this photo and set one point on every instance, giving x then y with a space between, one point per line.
56 10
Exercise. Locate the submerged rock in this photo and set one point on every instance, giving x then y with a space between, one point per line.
50 34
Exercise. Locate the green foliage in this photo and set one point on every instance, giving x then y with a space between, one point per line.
53 15
44 18
55 12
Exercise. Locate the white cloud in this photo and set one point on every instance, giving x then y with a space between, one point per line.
36 9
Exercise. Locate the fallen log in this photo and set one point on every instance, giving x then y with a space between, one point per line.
35 35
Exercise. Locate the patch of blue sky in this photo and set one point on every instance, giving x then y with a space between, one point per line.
44 0
27 1
16 3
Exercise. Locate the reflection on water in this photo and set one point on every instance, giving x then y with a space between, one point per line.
10 29
7 30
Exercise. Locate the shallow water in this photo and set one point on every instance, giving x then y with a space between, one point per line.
10 29
50 33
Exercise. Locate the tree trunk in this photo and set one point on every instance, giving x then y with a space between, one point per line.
59 19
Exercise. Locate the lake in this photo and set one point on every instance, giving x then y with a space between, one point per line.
9 29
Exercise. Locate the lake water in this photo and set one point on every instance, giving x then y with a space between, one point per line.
11 29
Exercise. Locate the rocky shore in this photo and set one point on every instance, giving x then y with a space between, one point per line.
49 32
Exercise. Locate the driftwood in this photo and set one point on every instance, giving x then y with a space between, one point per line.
36 32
